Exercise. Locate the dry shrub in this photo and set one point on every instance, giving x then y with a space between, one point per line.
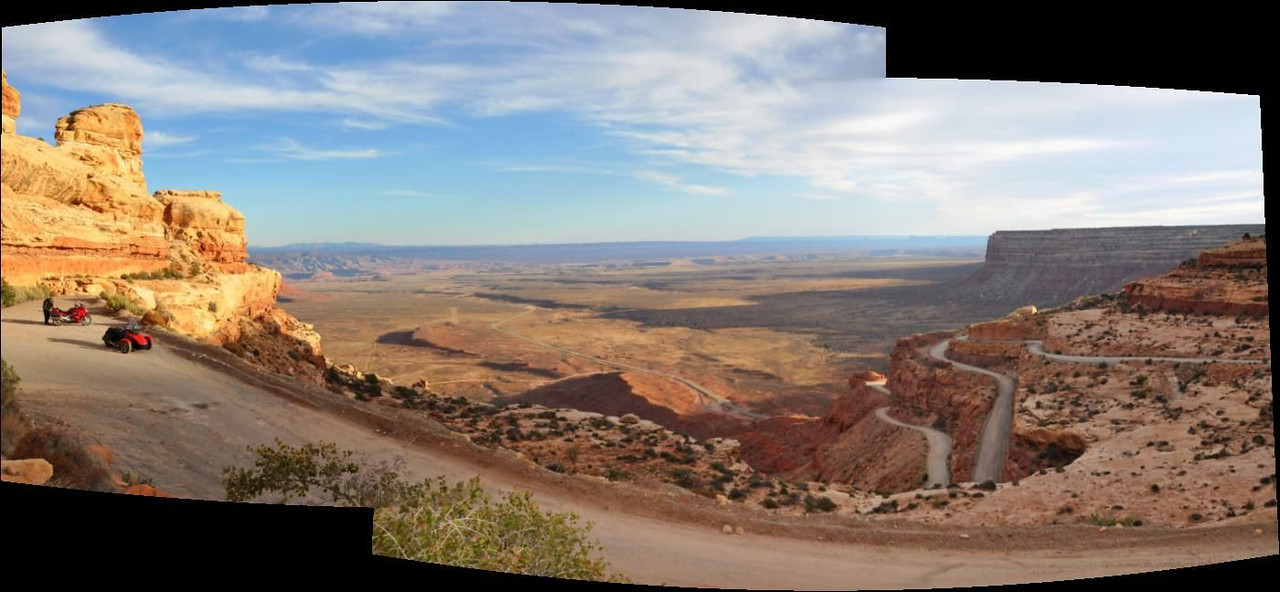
13 422
73 465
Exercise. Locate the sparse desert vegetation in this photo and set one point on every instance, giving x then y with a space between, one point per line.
430 520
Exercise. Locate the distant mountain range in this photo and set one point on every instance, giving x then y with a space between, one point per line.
300 260
631 249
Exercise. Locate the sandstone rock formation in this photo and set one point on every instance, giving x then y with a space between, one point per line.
861 378
32 471
200 219
106 137
77 219
1050 267
1230 280
12 105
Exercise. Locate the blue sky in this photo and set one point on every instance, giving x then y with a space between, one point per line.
492 123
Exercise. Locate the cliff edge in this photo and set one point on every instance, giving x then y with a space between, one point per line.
78 220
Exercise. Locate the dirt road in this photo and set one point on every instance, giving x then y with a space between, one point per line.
179 422
994 445
939 443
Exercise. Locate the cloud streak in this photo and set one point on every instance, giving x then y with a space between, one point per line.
291 149
674 183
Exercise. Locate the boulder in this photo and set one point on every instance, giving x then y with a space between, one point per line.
32 471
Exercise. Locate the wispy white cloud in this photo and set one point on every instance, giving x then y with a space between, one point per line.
673 182
275 63
246 14
157 139
293 150
364 124
549 168
370 18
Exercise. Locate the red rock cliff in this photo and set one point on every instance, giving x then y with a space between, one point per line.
1229 280
77 218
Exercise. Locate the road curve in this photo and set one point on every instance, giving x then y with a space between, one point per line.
1036 346
993 448
699 390
180 422
939 443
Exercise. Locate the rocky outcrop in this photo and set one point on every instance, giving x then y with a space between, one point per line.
1249 253
848 445
106 137
213 229
32 471
77 219
1031 449
1229 280
1006 330
861 378
995 356
1050 267
61 217
12 105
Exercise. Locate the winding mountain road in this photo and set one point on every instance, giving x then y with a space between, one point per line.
939 442
993 447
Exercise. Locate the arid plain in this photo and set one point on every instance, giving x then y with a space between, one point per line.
481 334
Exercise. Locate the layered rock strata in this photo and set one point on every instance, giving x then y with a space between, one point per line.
77 219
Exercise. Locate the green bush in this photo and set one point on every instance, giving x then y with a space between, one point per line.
116 302
12 294
431 520
818 504
8 296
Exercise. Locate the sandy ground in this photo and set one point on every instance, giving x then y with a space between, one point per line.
180 422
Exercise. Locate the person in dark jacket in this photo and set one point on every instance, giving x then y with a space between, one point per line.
48 306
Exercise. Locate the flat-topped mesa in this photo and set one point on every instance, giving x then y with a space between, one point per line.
1228 280
1051 267
213 230
107 137
12 105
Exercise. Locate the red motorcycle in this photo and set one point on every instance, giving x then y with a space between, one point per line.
127 338
76 315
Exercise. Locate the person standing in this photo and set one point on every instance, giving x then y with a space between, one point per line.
48 306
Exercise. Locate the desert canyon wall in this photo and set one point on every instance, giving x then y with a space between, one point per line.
78 219
1051 267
